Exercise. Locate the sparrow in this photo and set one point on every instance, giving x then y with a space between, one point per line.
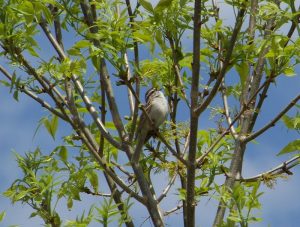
157 109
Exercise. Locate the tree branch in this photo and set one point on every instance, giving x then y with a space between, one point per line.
47 87
191 167
200 160
93 148
236 30
128 174
91 15
136 75
90 192
35 97
89 20
280 169
227 112
84 134
130 96
245 122
177 70
272 122
251 29
167 188
263 95
173 210
152 205
221 65
109 171
81 91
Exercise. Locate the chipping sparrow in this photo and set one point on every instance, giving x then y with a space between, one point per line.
157 110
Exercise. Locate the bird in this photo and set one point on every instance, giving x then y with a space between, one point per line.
157 109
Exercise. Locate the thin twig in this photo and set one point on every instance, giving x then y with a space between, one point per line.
173 98
235 32
227 113
171 182
273 121
151 205
177 71
122 169
167 188
35 97
93 148
47 87
223 87
170 148
128 74
109 171
116 118
263 95
68 86
166 213
90 192
280 169
79 87
237 117
131 15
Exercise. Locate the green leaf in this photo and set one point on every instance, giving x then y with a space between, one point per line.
291 147
147 5
182 3
297 123
2 215
288 122
93 177
182 194
162 4
33 214
82 44
20 195
63 153
291 122
243 70
32 51
141 37
27 9
51 125
16 95
5 83
289 71
43 7
110 125
234 218
186 61
74 52
159 39
270 54
13 81
70 203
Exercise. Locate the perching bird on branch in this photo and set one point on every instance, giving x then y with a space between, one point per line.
157 110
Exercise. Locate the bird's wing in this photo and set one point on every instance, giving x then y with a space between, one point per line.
143 122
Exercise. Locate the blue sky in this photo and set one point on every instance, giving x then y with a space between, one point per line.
280 205
19 121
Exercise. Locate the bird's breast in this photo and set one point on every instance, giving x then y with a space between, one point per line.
159 111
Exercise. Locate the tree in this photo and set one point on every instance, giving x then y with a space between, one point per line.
81 84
